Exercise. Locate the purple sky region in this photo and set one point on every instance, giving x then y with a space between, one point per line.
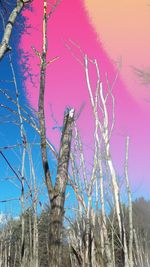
66 86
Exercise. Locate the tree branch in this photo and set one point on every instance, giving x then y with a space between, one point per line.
4 46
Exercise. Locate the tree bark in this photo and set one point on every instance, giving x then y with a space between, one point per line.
58 200
41 113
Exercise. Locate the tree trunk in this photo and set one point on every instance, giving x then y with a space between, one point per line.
56 193
57 202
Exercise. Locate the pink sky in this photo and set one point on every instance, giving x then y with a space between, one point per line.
123 28
101 36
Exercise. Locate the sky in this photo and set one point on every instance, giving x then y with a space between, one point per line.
109 32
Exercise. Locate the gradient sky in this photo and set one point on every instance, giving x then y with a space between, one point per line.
106 31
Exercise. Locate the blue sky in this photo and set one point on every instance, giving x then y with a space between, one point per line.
10 133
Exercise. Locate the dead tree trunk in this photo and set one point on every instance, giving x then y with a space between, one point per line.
57 202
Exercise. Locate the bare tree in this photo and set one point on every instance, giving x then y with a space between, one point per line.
92 233
57 192
4 46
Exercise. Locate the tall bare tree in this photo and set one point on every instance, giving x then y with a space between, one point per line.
57 192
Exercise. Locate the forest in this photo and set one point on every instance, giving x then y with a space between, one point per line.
73 209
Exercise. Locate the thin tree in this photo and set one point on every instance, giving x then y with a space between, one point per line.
56 193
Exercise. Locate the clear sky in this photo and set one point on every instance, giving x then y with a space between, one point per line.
107 31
